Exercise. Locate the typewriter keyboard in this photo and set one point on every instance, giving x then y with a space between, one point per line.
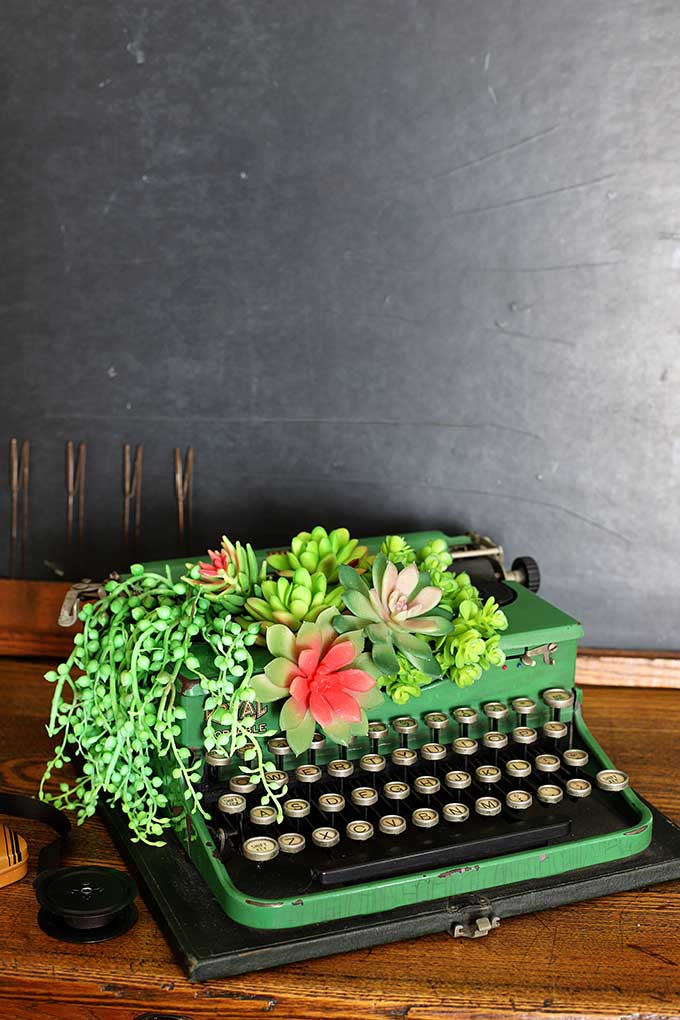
401 808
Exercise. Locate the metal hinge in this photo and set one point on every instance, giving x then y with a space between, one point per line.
544 650
70 607
475 929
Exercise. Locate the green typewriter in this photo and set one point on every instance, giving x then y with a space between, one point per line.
340 804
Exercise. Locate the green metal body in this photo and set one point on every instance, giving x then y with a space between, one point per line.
532 622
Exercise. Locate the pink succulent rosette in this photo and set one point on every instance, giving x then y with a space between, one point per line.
325 679
218 566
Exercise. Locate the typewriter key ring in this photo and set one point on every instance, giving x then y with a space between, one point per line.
465 717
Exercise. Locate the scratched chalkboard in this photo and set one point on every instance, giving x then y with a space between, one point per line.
398 263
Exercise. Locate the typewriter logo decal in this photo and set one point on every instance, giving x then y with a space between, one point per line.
255 710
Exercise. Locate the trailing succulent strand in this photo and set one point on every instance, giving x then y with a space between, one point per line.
319 551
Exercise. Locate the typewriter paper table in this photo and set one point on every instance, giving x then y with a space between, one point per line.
618 956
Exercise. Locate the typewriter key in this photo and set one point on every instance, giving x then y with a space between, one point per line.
575 758
487 774
488 806
549 794
456 812
218 762
457 780
425 818
524 735
518 800
404 756
326 836
465 746
296 808
277 780
260 848
318 742
278 746
578 788
465 716
611 780
372 763
242 784
364 796
554 730
291 842
547 763
433 752
405 725
308 773
341 768
495 710
377 731
495 740
231 804
426 786
435 721
359 830
523 707
392 825
247 752
331 802
558 698
263 814
396 790
518 769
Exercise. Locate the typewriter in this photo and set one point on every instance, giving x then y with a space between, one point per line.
469 789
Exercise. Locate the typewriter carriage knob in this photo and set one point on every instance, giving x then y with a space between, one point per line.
525 570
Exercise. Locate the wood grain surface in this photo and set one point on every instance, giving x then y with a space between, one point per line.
614 957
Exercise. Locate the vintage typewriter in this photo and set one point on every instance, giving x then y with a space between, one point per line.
498 786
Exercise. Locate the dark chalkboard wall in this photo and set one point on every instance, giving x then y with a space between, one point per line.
390 264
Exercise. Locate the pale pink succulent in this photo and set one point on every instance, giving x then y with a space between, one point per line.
395 601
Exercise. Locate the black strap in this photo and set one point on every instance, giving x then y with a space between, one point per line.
18 806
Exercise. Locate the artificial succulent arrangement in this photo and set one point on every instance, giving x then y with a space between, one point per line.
343 630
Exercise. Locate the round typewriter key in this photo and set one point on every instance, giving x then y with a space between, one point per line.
488 806
575 758
231 804
277 780
487 774
364 796
436 720
549 794
518 800
523 706
318 742
554 730
557 697
425 818
296 808
242 784
426 785
278 746
611 780
495 710
372 763
392 825
291 842
260 848
244 752
340 768
433 752
217 758
578 788
331 802
404 756
495 740
457 780
396 790
465 716
547 763
518 769
263 814
325 836
377 731
465 746
524 735
359 831
456 812
308 773
405 724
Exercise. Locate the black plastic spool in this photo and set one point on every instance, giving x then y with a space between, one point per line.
85 904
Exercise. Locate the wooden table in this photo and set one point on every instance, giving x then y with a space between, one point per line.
618 956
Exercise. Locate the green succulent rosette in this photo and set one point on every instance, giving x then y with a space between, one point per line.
398 550
293 601
319 551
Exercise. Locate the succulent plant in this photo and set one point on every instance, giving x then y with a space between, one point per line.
293 601
406 684
232 572
398 550
325 678
393 614
435 556
474 643
319 551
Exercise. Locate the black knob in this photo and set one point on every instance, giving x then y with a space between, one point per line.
528 566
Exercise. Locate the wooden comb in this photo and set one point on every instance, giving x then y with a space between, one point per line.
13 856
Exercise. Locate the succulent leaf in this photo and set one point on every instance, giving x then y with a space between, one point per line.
321 552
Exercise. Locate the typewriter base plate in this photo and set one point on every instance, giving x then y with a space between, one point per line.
209 945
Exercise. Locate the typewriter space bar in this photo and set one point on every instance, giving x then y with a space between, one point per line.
362 866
